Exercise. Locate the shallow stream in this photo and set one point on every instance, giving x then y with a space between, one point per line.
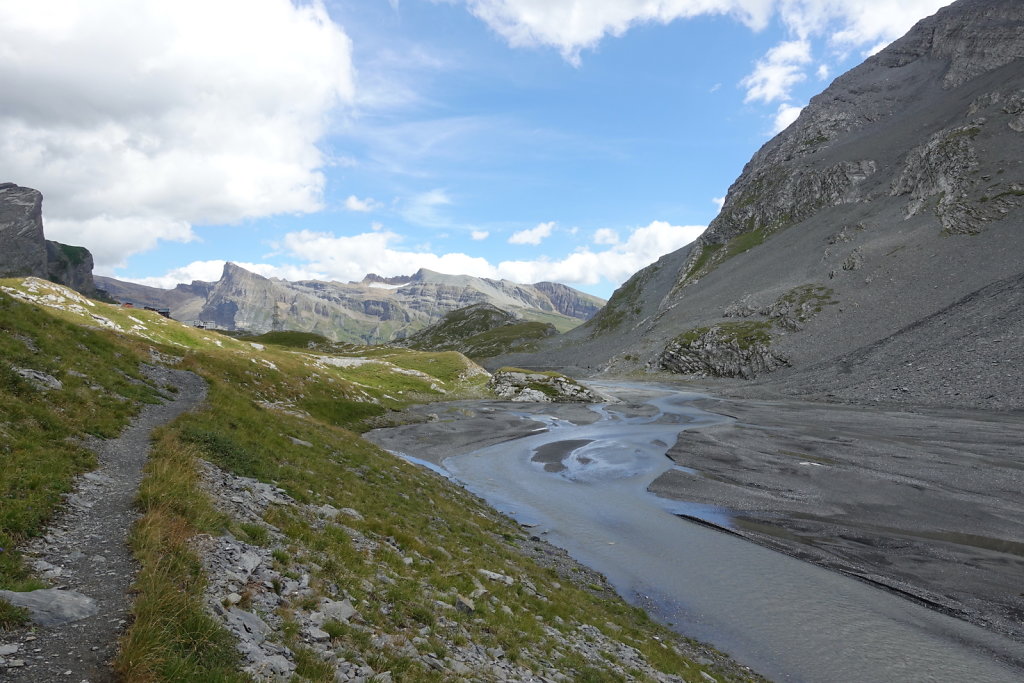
585 487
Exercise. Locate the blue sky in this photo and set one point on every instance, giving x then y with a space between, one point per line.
567 140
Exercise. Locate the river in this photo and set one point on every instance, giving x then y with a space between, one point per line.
585 488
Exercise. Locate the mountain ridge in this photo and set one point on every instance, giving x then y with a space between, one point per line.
374 310
898 192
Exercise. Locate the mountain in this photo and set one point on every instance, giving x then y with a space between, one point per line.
872 251
371 311
480 331
27 252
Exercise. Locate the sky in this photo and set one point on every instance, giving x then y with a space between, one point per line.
573 141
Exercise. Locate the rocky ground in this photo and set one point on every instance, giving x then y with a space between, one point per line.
248 588
85 556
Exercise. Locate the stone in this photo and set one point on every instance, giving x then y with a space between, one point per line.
52 607
494 576
247 624
317 634
464 605
338 610
350 512
272 668
40 380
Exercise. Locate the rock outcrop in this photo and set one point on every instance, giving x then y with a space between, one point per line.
723 350
897 194
26 251
372 311
514 384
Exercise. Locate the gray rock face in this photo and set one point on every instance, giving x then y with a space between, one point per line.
372 311
899 189
26 252
21 232
52 607
536 387
70 266
719 352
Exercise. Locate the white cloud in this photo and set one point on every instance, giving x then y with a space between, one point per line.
350 258
210 271
719 202
533 236
572 26
479 235
111 239
615 264
785 115
322 255
167 113
777 72
823 72
606 236
354 203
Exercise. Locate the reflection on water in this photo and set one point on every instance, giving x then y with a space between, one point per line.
785 618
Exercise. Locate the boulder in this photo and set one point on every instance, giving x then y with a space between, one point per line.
52 607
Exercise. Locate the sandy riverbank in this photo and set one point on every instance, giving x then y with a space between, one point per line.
931 505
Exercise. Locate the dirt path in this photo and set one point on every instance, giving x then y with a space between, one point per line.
86 552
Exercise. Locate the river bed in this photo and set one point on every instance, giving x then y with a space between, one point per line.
584 487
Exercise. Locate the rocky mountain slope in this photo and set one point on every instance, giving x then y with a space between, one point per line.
861 244
480 331
372 311
26 252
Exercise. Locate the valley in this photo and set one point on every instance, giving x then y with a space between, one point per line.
792 449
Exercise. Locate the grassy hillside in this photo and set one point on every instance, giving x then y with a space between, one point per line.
481 331
290 417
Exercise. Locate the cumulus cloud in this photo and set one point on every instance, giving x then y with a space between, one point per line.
777 72
532 236
199 113
785 115
112 238
354 203
322 255
348 258
719 202
572 27
606 236
210 271
615 264
479 235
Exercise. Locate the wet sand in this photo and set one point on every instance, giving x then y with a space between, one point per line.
928 505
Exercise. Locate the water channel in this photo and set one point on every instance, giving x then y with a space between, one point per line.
585 487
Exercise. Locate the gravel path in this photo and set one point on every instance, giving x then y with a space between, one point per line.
85 552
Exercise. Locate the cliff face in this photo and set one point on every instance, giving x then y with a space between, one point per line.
896 195
26 251
372 311
21 232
